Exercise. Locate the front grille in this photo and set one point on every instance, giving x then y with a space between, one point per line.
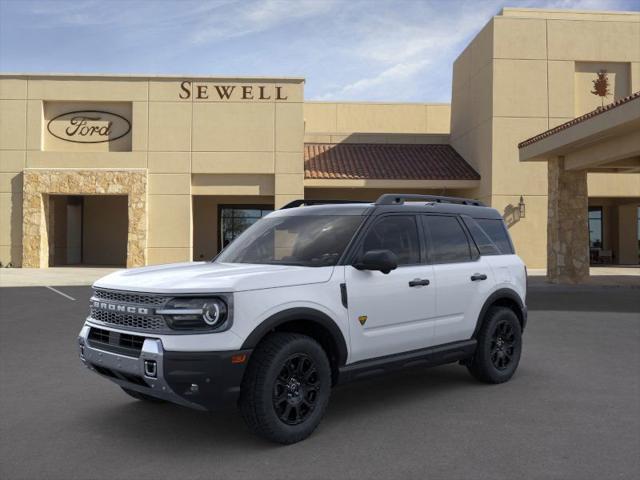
131 341
98 335
115 342
130 298
126 320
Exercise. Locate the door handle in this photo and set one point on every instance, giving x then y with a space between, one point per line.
478 276
419 282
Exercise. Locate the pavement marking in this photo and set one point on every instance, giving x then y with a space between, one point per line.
60 293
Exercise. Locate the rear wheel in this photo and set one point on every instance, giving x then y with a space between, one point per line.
499 347
286 388
141 396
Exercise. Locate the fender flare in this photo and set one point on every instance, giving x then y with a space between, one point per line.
302 314
502 293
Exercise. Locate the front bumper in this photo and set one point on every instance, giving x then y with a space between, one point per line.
199 380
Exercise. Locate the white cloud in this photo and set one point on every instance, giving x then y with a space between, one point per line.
246 18
395 45
391 76
398 50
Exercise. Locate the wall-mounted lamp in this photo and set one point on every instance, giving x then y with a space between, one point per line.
522 207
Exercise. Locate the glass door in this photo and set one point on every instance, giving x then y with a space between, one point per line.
595 235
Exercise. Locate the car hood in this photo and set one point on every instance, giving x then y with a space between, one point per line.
196 277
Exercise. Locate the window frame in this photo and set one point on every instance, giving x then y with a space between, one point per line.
474 254
355 250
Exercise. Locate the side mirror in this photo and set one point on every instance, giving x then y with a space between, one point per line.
381 260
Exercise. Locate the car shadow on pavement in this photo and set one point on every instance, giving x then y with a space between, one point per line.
153 425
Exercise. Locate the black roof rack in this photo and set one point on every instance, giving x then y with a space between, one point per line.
302 202
400 198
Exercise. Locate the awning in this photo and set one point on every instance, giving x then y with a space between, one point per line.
367 161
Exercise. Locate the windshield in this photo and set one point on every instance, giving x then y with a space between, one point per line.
310 241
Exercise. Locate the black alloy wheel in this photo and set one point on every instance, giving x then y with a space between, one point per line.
286 388
499 346
502 345
295 392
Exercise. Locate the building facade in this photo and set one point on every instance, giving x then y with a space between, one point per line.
132 170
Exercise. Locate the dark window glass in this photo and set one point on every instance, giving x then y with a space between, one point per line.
595 227
310 241
448 241
498 233
397 233
235 220
483 242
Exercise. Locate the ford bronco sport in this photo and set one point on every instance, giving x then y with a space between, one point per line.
311 296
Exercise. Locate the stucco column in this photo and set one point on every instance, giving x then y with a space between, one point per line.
568 228
628 234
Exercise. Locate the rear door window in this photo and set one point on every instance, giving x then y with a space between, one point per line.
448 242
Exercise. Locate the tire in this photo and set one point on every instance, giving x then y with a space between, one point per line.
499 347
285 390
141 396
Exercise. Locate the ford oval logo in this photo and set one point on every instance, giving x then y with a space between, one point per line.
89 126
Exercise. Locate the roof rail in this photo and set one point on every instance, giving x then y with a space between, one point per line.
400 198
301 202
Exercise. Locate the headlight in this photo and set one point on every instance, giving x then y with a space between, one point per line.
196 313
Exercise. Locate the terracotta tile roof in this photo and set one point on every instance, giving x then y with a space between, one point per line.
579 119
385 161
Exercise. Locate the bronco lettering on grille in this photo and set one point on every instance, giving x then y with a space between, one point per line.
121 308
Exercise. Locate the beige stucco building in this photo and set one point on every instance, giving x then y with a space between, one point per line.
132 170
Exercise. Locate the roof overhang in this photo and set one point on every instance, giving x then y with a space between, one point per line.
389 183
606 140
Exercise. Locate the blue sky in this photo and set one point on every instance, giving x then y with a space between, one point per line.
396 50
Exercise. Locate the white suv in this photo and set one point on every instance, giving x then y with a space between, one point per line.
311 296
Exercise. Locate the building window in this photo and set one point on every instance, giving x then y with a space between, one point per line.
595 227
235 219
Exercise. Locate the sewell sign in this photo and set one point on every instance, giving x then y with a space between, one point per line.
89 126
216 92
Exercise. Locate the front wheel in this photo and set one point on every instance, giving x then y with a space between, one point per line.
286 388
499 347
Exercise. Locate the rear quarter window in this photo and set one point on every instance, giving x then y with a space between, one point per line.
497 232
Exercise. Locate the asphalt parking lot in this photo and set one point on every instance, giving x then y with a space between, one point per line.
572 411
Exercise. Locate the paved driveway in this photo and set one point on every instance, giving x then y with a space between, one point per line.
572 411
